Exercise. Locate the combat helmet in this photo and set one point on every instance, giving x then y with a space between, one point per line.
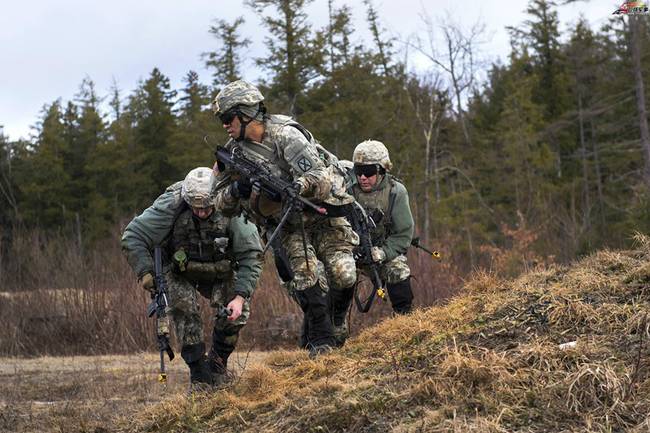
237 93
197 187
239 99
372 152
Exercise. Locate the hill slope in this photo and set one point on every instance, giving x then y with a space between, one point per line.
489 361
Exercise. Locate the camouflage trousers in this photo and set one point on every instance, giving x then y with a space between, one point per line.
390 272
183 308
330 243
393 271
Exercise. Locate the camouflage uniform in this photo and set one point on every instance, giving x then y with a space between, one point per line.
388 205
218 257
290 152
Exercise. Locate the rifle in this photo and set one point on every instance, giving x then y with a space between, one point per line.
157 307
272 186
416 243
362 224
223 312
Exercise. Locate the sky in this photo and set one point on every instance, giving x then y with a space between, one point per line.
47 48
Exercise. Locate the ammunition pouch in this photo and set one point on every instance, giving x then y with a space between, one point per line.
207 272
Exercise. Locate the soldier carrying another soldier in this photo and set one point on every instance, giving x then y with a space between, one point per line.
204 252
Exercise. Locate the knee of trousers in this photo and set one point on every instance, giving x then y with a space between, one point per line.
345 280
189 328
343 273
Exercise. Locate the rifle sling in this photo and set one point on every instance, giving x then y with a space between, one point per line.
360 305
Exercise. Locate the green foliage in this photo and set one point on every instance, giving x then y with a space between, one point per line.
226 62
193 141
45 188
295 54
8 203
548 144
153 122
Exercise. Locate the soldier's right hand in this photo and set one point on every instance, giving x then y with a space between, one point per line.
147 283
240 189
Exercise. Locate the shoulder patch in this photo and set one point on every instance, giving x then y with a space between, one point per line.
304 164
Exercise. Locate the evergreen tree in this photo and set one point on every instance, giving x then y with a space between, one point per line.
543 35
338 34
90 133
227 61
295 55
151 114
44 184
198 132
383 46
8 199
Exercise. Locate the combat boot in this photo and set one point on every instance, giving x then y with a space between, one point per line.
401 296
223 344
339 304
195 358
218 369
313 302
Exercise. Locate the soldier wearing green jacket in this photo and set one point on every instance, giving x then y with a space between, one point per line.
204 252
386 201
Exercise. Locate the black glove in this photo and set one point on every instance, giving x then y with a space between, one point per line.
240 189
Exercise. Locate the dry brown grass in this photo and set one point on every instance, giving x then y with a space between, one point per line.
55 300
492 360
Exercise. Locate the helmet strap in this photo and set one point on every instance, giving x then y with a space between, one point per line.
242 126
244 123
380 177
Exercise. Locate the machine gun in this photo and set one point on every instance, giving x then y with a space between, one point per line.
261 177
157 307
272 186
362 224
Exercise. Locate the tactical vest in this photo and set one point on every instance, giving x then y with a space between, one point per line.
267 153
197 238
379 205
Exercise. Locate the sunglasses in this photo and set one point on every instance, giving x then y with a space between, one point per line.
365 170
227 117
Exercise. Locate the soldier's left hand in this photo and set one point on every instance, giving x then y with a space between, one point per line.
300 185
235 306
378 255
147 283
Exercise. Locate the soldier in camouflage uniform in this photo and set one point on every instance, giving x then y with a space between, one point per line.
291 153
386 201
204 252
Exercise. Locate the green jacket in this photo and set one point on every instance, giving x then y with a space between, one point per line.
154 227
388 204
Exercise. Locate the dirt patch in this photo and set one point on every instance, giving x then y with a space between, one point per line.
86 393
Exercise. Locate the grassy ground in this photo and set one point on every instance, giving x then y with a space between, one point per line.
559 349
86 393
